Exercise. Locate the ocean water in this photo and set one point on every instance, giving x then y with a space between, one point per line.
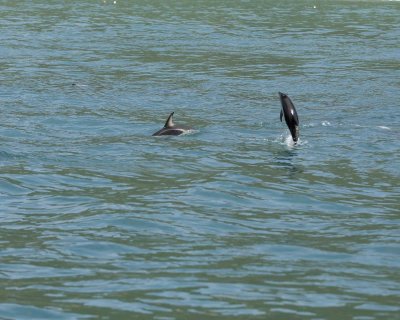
100 220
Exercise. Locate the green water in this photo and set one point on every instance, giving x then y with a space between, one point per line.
100 220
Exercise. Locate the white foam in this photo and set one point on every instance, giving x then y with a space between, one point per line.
384 128
190 131
326 123
289 141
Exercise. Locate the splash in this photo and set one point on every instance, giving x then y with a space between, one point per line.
289 141
189 132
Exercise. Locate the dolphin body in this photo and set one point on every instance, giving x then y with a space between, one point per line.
170 129
291 118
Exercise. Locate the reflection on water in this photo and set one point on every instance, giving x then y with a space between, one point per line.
287 160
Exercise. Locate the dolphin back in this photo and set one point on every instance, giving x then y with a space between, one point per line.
170 129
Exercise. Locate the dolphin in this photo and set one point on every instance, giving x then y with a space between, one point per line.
170 129
291 118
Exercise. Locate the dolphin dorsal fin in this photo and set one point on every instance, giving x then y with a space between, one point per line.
169 123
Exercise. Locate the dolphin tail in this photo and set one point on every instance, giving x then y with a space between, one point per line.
294 131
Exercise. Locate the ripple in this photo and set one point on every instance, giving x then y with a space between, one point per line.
100 219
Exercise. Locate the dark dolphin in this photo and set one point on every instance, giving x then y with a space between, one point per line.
170 129
291 118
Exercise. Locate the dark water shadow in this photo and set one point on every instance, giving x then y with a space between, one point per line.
287 161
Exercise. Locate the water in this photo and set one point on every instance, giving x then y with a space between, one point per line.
101 220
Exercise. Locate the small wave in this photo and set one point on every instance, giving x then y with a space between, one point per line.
79 85
309 125
4 155
326 123
260 139
384 128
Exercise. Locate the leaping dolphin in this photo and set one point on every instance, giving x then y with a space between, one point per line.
291 118
170 129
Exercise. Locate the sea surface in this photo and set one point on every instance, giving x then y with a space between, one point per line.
101 220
